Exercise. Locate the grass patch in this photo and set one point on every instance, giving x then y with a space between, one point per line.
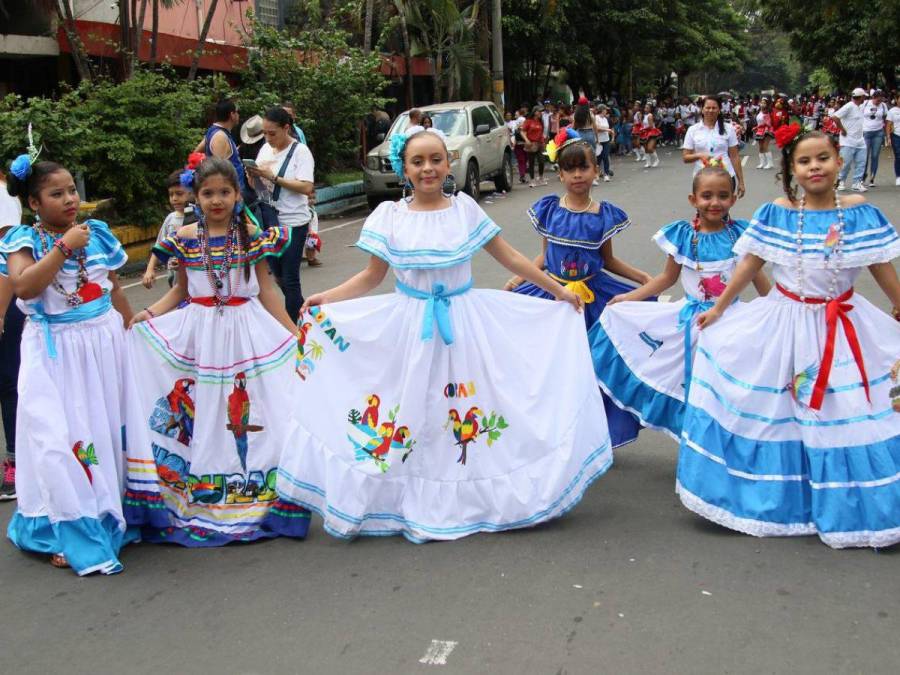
345 176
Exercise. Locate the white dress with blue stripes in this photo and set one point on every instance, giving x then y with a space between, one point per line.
756 455
70 420
437 411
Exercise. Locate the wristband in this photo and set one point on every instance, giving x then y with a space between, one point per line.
65 250
150 312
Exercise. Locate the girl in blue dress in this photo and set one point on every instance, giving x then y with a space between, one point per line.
577 250
70 423
643 351
793 425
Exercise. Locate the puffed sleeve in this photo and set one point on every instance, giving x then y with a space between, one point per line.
104 247
16 239
270 242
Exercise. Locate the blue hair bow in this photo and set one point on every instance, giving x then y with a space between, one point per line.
398 142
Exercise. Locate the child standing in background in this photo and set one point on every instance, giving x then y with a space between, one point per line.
179 197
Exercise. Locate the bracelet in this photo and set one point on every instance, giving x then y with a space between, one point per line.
896 312
150 312
65 250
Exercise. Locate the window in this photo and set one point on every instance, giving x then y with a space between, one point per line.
270 12
482 115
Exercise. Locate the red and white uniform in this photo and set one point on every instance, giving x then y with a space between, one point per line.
764 125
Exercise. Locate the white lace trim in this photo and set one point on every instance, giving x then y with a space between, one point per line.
846 260
759 528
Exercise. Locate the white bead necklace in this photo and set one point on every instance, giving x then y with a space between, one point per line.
831 259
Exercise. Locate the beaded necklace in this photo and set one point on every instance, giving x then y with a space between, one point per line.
695 239
831 260
569 208
73 299
218 278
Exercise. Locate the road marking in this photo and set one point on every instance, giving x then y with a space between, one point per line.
138 283
342 225
744 160
437 652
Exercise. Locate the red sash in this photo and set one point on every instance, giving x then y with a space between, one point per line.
834 309
210 301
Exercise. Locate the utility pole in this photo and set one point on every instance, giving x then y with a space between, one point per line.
497 55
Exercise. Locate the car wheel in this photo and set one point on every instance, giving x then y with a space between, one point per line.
504 180
373 201
473 181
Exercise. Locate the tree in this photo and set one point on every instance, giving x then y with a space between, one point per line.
854 40
446 32
201 41
63 12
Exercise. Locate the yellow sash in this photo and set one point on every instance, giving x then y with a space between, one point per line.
579 288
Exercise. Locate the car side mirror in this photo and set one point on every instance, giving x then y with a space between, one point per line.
482 129
379 138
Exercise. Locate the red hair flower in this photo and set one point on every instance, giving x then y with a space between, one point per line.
786 134
194 159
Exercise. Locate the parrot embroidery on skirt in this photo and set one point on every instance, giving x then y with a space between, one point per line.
239 417
375 441
468 428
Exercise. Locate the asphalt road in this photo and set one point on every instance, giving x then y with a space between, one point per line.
628 582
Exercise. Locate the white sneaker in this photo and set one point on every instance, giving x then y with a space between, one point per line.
897 181
762 163
606 180
655 161
872 182
841 186
596 181
859 187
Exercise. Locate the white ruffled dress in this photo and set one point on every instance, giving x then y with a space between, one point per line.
438 411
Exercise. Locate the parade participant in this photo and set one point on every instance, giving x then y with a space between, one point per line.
764 134
711 139
829 126
208 385
637 127
577 249
217 142
791 426
179 198
643 351
780 114
423 410
649 137
70 424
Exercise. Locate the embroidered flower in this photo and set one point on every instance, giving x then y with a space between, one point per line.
21 167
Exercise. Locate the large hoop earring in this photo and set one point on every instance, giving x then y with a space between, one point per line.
448 189
407 190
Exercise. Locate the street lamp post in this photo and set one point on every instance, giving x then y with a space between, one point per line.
497 55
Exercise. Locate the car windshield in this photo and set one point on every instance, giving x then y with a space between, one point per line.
451 122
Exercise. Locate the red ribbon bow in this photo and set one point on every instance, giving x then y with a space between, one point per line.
835 309
786 134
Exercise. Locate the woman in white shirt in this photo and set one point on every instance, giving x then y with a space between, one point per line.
711 139
604 141
283 176
893 129
875 113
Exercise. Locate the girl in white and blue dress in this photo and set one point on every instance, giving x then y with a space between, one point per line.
577 250
211 386
425 411
643 351
70 425
793 419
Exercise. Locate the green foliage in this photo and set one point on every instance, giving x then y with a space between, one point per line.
854 40
332 84
125 138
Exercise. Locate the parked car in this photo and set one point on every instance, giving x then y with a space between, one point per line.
478 142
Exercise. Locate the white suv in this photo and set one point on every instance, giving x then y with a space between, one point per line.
478 142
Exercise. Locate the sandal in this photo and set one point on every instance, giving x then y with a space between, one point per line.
58 560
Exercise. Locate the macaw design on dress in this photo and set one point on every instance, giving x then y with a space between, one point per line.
801 385
86 457
831 239
239 417
307 354
467 428
173 414
374 440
